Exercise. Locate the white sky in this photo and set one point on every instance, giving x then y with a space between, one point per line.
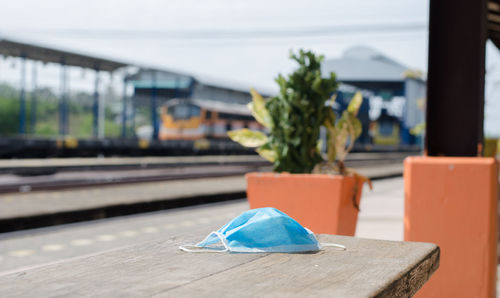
228 39
233 40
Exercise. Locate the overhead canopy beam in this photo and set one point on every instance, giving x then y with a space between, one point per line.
95 106
63 116
154 116
455 93
22 98
9 47
493 22
124 107
33 99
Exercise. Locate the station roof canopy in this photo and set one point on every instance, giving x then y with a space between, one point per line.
14 48
174 79
362 63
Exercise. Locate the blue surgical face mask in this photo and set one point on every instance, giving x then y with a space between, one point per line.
260 230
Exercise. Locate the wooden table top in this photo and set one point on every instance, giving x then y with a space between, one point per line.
367 268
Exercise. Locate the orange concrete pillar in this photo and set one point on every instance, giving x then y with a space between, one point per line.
452 201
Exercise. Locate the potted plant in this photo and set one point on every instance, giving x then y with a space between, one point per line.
322 195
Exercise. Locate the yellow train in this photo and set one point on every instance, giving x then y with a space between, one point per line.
199 120
193 119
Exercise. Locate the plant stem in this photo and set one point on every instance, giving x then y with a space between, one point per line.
341 166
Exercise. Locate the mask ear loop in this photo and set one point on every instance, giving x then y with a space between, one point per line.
342 247
195 248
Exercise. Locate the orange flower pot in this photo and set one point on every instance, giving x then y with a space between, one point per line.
452 201
322 203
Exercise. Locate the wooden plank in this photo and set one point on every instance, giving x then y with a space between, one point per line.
367 268
493 18
493 7
139 271
493 27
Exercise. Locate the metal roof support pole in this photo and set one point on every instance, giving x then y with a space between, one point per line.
455 92
154 121
191 88
124 108
95 105
132 114
67 101
176 90
101 128
22 98
34 76
62 102
405 135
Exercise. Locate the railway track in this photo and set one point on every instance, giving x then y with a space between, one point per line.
72 175
34 167
101 178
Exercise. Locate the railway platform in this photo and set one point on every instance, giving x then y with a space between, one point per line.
30 147
45 208
52 165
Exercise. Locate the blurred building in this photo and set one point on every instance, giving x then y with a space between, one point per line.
492 92
397 90
170 84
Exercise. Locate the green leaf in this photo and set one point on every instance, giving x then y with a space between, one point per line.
319 145
248 138
351 123
259 110
355 103
267 154
348 128
355 125
295 141
297 113
418 129
341 141
331 101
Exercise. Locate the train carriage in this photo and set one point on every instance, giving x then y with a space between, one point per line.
203 119
192 119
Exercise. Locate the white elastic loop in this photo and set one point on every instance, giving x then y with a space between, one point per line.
194 248
334 245
222 239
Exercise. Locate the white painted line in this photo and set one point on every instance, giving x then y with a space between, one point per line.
187 223
25 188
52 247
21 252
150 230
81 242
106 238
128 233
169 226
